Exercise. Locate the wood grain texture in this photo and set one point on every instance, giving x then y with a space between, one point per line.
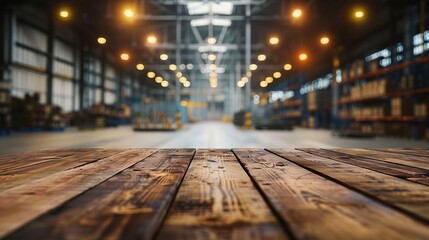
398 170
217 200
411 198
21 204
414 161
46 163
405 151
129 205
316 208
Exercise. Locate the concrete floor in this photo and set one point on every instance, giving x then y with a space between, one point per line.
199 135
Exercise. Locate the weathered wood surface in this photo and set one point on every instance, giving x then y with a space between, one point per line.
36 166
214 194
398 170
24 203
408 160
411 198
406 151
217 200
130 205
304 200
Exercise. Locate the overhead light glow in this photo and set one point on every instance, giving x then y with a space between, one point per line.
269 79
296 13
159 79
213 84
212 48
140 66
359 14
263 84
187 84
212 67
203 8
240 84
249 74
287 67
253 67
163 57
211 40
183 80
324 40
164 84
150 74
129 13
207 21
173 67
64 13
277 75
125 56
151 39
101 40
274 40
212 57
303 56
190 66
178 74
245 79
213 74
262 57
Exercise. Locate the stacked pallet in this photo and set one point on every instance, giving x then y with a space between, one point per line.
371 89
401 107
311 98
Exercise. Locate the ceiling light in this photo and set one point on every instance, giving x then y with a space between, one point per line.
101 40
213 74
215 22
262 57
253 67
211 40
324 40
277 75
211 57
240 84
129 13
203 8
150 74
190 66
287 67
187 84
178 74
173 67
183 80
140 66
245 79
212 48
182 66
151 39
274 40
263 84
163 57
64 13
125 56
269 79
159 79
249 74
359 14
164 84
303 56
296 13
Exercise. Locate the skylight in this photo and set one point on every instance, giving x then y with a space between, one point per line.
201 8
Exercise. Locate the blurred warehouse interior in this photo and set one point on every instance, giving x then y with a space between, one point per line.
354 68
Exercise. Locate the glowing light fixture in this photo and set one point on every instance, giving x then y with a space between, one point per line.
303 56
163 57
202 8
297 13
64 13
211 57
245 79
189 66
159 79
178 74
262 57
129 13
211 40
274 40
101 40
263 84
287 67
187 84
125 56
183 80
173 67
140 66
240 84
249 74
150 74
277 75
359 14
164 84
253 67
151 39
324 40
269 79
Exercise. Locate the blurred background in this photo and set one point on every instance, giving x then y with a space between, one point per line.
239 73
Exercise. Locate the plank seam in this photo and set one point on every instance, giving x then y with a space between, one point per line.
283 223
375 170
387 204
170 205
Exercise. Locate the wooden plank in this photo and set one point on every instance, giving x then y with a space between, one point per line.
398 170
129 205
411 198
217 200
413 161
304 200
406 151
46 164
23 203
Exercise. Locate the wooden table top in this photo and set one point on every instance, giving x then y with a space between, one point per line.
215 194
